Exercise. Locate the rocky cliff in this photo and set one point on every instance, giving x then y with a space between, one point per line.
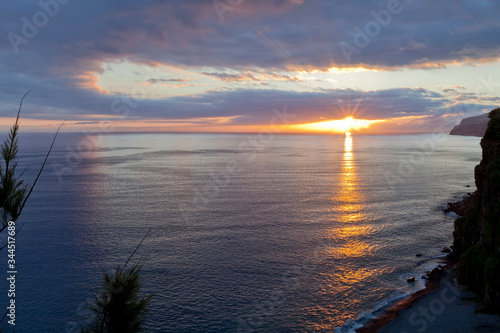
472 126
477 234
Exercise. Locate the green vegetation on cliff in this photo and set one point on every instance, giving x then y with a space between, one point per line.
493 130
477 234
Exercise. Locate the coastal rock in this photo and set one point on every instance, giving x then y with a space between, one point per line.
436 274
476 237
410 280
461 207
471 126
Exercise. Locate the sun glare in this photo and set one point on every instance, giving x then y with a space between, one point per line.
343 126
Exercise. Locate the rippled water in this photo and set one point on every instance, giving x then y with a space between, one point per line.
289 233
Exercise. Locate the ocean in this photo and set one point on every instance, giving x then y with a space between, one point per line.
249 233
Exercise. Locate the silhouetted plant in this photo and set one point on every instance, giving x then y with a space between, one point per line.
119 307
13 191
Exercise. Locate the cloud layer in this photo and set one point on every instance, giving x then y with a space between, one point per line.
56 49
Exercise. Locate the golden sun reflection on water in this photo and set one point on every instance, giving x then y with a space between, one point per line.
349 242
349 214
349 209
349 247
349 201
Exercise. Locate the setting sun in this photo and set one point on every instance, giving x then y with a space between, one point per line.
346 125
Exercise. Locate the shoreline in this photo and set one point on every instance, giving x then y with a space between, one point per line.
447 309
432 282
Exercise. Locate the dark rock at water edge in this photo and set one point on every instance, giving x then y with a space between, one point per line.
436 274
461 207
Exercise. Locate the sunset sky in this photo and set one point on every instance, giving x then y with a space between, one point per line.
233 65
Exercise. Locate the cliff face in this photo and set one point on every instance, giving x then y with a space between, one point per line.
472 126
477 235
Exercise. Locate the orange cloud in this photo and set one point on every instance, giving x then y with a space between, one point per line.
89 80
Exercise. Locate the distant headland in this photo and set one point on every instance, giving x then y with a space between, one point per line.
472 126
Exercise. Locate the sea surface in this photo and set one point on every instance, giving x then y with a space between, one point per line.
280 233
